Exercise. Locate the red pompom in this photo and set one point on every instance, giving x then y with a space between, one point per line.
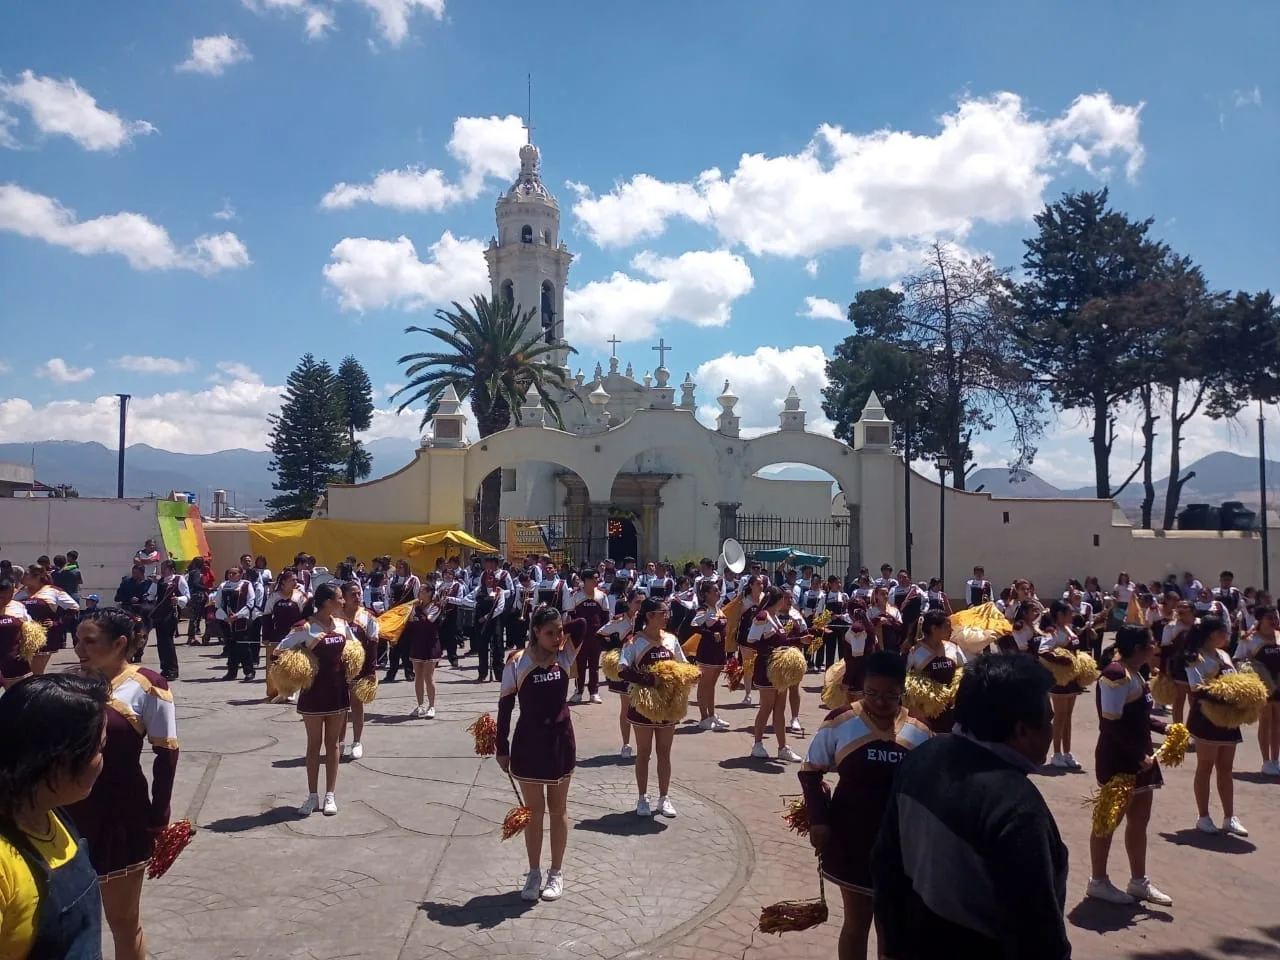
170 842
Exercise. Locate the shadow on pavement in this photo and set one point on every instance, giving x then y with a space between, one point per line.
289 763
252 821
1047 771
1254 776
622 825
486 911
1217 842
606 760
753 763
1102 917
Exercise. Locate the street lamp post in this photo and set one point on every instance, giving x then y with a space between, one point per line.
1262 498
944 465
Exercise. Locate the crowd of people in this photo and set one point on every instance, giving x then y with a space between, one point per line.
905 794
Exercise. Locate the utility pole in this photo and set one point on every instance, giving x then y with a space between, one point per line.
1262 499
124 419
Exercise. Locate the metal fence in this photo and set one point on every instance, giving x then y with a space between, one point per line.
828 538
568 539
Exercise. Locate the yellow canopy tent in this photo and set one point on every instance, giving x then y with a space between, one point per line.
332 541
430 546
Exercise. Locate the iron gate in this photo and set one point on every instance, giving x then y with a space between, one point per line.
828 538
568 539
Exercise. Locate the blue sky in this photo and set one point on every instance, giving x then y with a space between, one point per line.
220 129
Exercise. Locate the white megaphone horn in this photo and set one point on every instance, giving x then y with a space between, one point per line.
733 557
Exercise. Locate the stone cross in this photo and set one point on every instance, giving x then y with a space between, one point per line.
615 341
662 349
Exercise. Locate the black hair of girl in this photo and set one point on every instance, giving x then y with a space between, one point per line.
704 588
771 596
931 620
544 614
114 624
350 586
1263 610
1057 609
887 664
649 606
324 593
50 726
1130 638
1199 635
633 593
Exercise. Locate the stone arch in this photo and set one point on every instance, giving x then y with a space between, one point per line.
526 234
518 445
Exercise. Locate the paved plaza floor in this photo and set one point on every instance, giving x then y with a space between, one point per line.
412 868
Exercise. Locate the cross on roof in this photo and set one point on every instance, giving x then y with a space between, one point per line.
615 341
528 115
662 349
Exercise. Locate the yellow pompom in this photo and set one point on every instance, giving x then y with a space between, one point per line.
1163 689
667 701
1174 748
972 640
352 659
834 693
928 698
1109 803
1062 664
295 669
610 661
31 639
1233 699
821 620
1086 669
365 689
787 668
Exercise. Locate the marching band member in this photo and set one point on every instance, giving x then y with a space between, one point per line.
541 754
118 819
1060 636
12 615
1229 595
709 624
651 644
616 634
1125 725
1262 649
449 594
364 627
167 597
1207 658
403 587
422 647
681 605
234 613
752 598
978 587
707 571
768 634
836 602
552 590
863 744
50 607
588 604
323 705
520 605
886 578
937 658
280 614
490 600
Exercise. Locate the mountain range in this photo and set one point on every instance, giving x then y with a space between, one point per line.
246 476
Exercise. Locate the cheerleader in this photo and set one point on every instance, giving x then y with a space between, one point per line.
615 635
800 628
859 642
767 635
1125 725
752 597
541 755
1058 635
364 627
863 744
423 648
885 620
280 614
12 616
651 644
1123 592
589 604
1207 658
1262 648
50 607
118 819
936 658
708 624
323 705
1173 659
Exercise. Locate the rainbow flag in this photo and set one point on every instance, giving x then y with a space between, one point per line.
182 531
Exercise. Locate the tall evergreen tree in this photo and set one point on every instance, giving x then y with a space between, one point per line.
307 440
356 400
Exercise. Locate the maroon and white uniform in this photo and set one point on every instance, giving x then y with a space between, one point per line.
1264 655
615 635
766 636
118 816
593 610
709 626
51 603
1125 725
865 758
1173 661
422 632
940 667
543 749
1063 638
1200 670
364 627
12 666
281 614
329 693
637 657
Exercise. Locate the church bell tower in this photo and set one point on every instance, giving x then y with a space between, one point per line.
528 265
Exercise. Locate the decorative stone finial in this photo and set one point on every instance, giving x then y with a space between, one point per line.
599 396
727 423
648 379
599 374
532 413
874 430
448 424
613 366
630 374
663 375
687 389
791 417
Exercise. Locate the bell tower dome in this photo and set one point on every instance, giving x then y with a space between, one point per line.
528 264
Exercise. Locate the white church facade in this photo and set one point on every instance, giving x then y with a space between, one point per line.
633 471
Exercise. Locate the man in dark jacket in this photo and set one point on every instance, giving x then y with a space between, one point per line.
969 864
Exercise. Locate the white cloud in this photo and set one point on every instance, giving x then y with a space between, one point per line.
56 369
7 140
393 15
991 160
226 371
5 367
317 19
697 287
212 55
761 380
144 244
483 146
225 212
62 107
375 274
811 268
144 364
1247 98
819 308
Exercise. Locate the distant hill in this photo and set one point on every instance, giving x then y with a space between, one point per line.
1005 483
244 474
1218 477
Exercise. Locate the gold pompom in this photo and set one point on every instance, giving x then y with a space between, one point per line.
834 693
787 668
352 659
1233 699
485 731
972 639
927 697
365 689
1174 748
1163 688
610 661
821 620
667 701
31 639
1062 664
1109 803
1086 669
515 821
295 669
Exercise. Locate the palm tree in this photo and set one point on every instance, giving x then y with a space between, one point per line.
486 353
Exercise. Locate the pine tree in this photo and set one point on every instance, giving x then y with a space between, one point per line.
307 440
356 401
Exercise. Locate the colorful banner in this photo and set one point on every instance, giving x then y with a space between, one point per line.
525 537
182 531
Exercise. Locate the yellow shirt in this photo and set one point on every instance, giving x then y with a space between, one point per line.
19 896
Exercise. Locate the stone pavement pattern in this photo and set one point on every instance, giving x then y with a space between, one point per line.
413 869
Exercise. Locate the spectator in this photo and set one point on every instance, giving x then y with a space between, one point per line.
66 575
969 864
149 557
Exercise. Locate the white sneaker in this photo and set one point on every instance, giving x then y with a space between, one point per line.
310 805
292 698
1206 825
666 809
707 723
789 755
642 807
330 808
1060 761
794 727
718 724
1072 762
1104 889
532 886
759 752
429 713
554 889
344 751
1143 889
357 750
626 753
576 698
747 701
595 698
417 712
1233 827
